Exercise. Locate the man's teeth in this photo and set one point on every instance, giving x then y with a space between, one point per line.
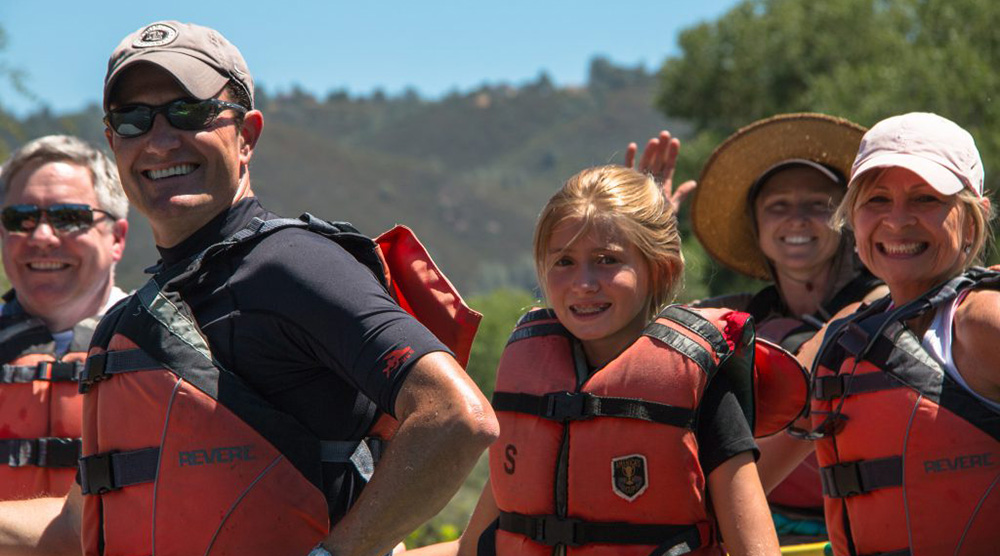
47 265
798 240
902 248
179 170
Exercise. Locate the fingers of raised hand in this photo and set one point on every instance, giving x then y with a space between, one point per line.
630 154
682 192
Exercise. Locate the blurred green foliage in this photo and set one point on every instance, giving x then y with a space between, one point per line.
863 60
501 309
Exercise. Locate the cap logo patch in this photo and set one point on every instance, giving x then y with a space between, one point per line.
157 34
628 476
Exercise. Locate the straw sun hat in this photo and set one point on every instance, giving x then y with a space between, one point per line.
719 212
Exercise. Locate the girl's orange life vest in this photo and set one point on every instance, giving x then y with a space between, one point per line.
40 409
607 462
910 459
181 457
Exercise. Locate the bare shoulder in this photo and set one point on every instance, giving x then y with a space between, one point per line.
976 350
876 293
977 320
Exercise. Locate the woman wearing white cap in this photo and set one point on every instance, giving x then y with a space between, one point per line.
762 208
906 410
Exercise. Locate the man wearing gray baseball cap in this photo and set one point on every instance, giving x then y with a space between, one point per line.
238 402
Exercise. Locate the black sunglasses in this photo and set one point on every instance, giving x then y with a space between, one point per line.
135 119
64 218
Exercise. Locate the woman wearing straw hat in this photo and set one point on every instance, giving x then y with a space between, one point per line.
906 409
761 208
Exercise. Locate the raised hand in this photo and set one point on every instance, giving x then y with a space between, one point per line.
659 158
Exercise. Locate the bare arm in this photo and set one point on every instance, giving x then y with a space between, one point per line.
741 508
445 423
42 527
976 350
486 512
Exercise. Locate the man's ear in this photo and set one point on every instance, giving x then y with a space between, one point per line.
253 125
119 230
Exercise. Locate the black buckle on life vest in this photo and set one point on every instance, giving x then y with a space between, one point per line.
854 339
93 371
828 387
552 530
841 480
57 371
858 477
563 406
96 473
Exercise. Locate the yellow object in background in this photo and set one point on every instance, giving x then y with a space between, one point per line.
813 549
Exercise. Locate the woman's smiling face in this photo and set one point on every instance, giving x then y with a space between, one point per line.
909 234
792 212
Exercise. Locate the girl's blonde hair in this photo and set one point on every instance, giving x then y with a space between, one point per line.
972 207
634 204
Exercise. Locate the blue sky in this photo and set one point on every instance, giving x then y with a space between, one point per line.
433 46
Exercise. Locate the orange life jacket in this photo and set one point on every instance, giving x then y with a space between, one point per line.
910 459
40 409
181 457
802 489
607 463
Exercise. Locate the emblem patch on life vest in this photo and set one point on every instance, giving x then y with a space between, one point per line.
628 476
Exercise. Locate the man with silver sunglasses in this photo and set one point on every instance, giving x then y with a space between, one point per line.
237 402
63 230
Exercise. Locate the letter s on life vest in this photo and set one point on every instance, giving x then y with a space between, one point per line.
509 465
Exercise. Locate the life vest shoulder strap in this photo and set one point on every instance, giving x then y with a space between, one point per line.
865 327
21 333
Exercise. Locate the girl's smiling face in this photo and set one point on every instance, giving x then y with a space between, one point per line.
598 284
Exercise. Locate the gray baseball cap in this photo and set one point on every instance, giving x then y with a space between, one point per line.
933 147
200 59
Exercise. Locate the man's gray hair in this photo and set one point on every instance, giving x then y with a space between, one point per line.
65 148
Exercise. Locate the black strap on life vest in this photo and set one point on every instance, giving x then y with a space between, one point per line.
53 371
102 366
108 471
579 406
842 480
831 387
696 324
553 530
39 452
525 329
104 472
861 334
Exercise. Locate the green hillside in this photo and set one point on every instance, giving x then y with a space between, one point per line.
468 172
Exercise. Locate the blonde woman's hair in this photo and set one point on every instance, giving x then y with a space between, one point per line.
634 204
974 207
